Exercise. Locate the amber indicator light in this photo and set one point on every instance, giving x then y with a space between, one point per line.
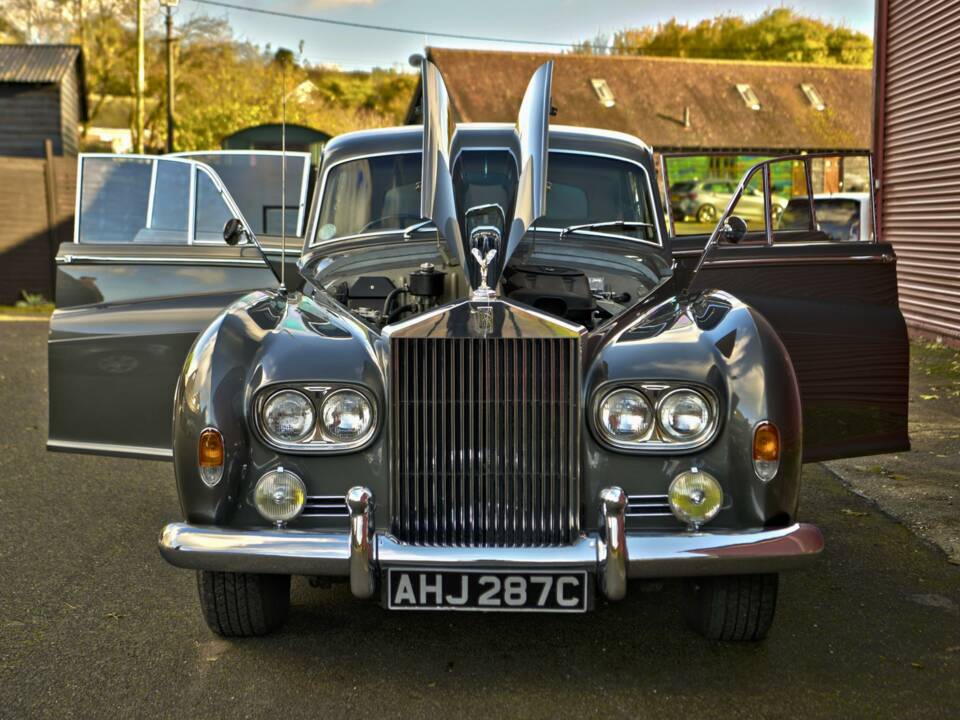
766 442
210 452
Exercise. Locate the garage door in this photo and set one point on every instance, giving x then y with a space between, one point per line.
919 118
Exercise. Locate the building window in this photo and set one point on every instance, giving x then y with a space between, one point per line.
813 96
749 96
603 91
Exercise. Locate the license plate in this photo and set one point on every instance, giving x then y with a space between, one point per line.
489 591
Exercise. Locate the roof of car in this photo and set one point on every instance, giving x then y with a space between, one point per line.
409 138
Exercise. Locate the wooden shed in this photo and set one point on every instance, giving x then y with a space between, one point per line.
41 96
42 102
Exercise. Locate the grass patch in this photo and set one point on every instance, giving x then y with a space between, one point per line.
29 310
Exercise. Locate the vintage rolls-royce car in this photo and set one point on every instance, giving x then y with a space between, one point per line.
493 380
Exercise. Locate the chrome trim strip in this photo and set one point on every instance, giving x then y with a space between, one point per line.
140 451
141 260
818 260
646 554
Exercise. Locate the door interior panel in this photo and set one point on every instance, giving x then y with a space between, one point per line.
839 320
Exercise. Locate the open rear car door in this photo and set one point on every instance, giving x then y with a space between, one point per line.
147 271
811 263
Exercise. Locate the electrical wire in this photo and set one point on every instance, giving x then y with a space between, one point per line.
383 28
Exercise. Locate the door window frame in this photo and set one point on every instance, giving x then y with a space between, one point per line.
304 180
763 167
154 160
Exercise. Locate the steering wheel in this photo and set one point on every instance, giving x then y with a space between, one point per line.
380 220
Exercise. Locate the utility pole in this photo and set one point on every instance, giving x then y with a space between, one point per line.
139 109
169 5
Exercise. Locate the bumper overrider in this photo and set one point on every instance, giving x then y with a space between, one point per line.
613 555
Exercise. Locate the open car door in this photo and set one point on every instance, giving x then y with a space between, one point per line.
811 263
147 271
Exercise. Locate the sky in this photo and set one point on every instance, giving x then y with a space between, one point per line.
538 20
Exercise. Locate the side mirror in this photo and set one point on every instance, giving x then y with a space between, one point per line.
734 229
234 231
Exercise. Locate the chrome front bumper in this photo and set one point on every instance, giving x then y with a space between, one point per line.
613 554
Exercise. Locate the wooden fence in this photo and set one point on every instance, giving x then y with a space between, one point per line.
36 214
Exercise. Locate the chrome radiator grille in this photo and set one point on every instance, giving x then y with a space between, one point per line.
485 440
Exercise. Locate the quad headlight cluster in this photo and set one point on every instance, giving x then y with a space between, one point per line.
656 417
316 418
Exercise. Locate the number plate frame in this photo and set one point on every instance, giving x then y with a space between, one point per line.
452 584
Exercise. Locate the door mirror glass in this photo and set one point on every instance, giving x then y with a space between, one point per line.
734 229
233 232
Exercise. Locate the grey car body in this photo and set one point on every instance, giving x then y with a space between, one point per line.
152 345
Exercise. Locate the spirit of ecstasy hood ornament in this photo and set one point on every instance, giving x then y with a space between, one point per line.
483 291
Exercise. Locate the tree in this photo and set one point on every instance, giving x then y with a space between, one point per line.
779 34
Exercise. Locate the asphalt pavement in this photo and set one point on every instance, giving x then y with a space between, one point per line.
94 624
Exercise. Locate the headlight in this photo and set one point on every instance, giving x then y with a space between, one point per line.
288 416
346 416
279 496
685 415
625 416
695 497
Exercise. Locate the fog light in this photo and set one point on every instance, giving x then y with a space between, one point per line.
695 497
279 496
210 456
766 451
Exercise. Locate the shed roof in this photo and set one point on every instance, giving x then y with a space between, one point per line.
36 63
650 95
43 64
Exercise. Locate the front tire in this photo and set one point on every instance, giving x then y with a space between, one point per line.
731 607
243 604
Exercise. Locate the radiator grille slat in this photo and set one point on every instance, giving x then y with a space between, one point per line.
484 440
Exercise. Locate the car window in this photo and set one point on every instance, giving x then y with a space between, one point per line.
838 218
254 180
585 189
149 201
373 194
114 197
212 211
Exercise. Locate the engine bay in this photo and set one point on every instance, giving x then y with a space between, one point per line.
581 285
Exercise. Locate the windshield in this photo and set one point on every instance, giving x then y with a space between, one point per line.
372 194
381 193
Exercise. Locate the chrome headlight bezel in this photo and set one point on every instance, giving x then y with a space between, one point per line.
316 442
657 440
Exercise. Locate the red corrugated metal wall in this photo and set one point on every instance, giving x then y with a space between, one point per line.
917 139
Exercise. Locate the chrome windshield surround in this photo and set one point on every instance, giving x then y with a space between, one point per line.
314 243
656 441
316 442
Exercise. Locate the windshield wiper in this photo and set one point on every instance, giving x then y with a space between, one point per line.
606 224
416 227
